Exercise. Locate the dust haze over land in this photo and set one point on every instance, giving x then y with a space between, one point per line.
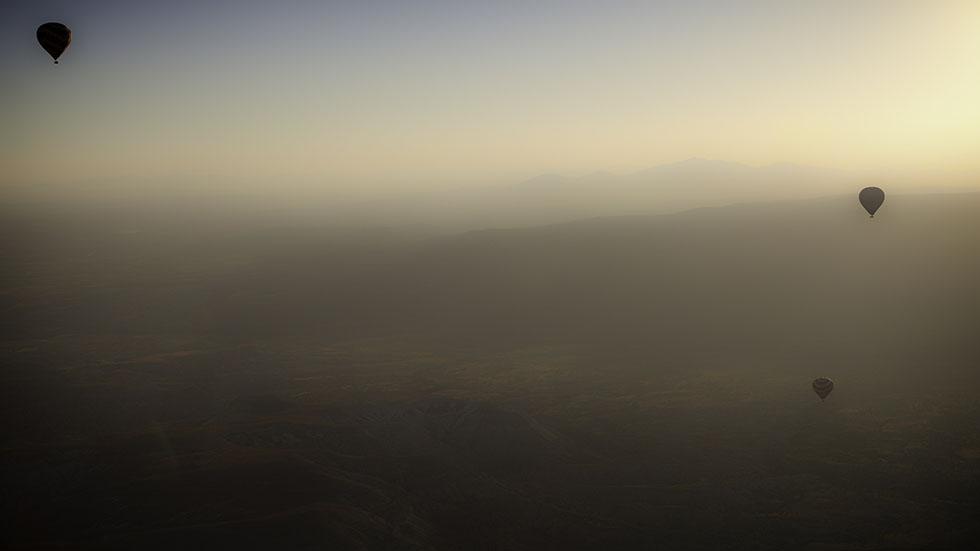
628 367
544 199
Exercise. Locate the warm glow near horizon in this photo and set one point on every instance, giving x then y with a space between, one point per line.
395 95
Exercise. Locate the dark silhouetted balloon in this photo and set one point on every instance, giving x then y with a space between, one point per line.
823 387
871 199
54 38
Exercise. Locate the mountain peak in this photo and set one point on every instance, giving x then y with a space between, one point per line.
698 163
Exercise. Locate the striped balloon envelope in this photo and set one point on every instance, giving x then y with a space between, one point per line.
54 38
823 387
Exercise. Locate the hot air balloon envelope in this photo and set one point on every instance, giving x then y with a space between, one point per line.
823 387
54 38
871 199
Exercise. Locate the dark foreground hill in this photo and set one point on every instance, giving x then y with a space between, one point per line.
627 382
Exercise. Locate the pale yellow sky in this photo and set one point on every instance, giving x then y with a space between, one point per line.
437 95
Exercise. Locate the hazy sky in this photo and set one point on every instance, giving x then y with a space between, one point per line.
376 95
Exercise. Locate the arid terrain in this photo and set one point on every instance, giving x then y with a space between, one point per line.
640 382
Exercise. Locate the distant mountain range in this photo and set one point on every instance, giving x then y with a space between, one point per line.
552 198
542 200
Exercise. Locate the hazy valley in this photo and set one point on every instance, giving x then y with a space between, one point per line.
632 380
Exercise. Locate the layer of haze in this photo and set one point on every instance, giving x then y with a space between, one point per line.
499 275
365 97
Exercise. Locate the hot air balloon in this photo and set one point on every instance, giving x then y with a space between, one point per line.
54 38
823 387
871 199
